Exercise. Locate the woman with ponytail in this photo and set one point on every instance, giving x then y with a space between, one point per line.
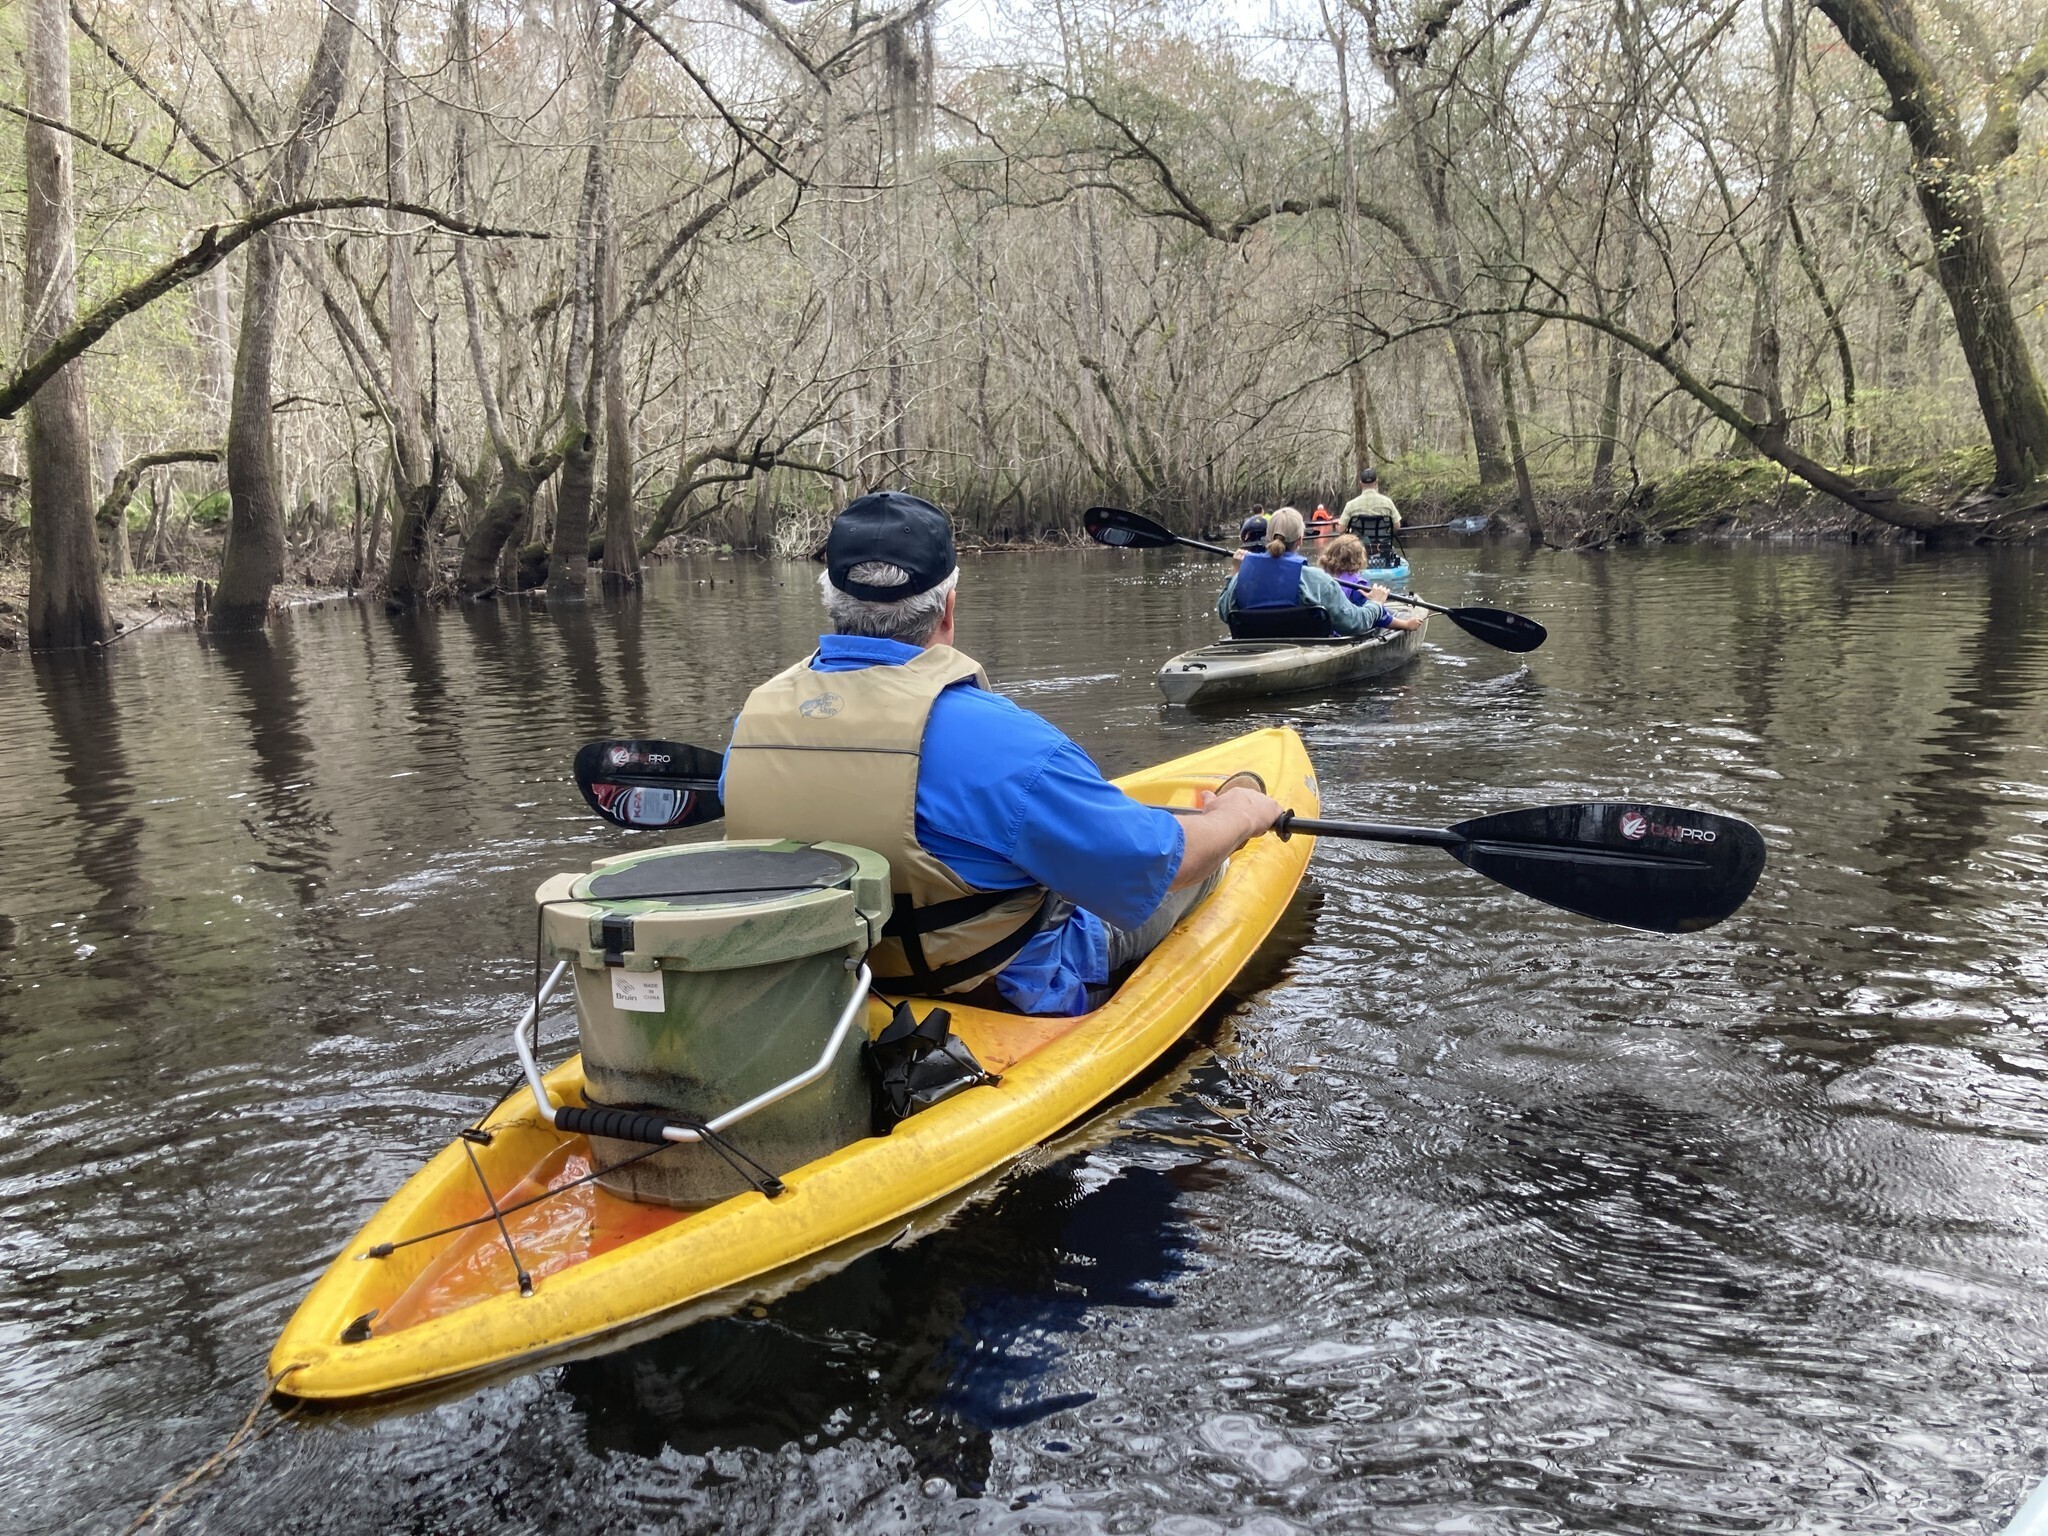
1290 597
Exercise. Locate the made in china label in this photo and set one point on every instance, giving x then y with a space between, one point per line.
638 992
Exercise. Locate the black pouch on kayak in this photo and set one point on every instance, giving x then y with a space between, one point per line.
914 1064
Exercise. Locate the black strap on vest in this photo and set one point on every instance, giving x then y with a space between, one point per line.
911 924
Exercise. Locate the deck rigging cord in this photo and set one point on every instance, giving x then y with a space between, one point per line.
756 1175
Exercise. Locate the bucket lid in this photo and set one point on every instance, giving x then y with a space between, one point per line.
715 874
718 905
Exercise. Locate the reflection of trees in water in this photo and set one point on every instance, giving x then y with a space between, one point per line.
934 1347
1946 812
85 724
586 703
296 837
105 827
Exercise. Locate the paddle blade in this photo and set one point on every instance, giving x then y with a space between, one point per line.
1498 627
649 785
1125 530
1658 867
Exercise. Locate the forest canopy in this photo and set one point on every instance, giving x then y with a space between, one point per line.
434 282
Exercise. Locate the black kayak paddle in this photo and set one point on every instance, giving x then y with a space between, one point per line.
1496 626
1657 867
649 785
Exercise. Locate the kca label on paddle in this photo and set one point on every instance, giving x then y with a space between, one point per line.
638 992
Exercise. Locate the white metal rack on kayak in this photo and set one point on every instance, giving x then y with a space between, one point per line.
529 1025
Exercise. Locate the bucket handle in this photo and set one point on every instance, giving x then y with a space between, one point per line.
528 1027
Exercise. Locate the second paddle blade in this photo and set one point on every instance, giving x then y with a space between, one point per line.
1659 867
1125 530
649 785
1498 627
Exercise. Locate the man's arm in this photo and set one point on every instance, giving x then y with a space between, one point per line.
1228 821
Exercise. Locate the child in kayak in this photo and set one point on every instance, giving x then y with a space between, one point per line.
1308 598
1345 560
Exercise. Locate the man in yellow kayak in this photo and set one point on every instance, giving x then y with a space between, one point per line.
1016 867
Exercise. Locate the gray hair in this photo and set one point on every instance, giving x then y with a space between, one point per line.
914 620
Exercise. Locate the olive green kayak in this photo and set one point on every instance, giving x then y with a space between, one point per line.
1243 669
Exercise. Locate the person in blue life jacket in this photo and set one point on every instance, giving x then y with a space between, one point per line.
1279 577
1021 876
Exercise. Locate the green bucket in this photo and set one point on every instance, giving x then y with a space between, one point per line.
706 975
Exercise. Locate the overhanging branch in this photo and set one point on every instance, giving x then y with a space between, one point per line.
214 245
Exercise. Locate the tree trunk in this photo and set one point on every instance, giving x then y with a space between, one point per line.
569 554
621 554
1610 419
1950 170
418 466
507 512
376 534
253 561
1764 383
1525 492
67 606
569 559
1844 356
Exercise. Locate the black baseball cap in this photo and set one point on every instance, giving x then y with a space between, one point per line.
1368 476
895 528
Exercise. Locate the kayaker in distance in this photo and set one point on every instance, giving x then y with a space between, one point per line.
1345 560
1017 868
1321 521
1279 577
1370 501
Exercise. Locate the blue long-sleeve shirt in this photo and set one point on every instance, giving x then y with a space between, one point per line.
1005 800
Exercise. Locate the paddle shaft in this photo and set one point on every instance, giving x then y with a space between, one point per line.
1366 831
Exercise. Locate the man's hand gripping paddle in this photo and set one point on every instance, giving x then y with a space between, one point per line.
1496 626
1657 867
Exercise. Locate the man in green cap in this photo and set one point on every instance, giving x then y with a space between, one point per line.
1370 501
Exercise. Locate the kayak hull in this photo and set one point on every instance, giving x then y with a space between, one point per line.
1246 669
605 1269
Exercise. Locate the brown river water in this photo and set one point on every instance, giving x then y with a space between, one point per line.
1461 1214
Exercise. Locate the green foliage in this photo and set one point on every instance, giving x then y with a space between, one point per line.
210 511
1946 477
1716 489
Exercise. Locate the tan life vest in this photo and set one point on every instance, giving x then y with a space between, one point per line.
833 757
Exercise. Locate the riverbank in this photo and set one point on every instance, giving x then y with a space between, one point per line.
1716 500
143 602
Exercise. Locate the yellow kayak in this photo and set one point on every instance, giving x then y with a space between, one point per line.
601 1267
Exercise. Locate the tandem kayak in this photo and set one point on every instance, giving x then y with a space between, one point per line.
1243 669
428 1294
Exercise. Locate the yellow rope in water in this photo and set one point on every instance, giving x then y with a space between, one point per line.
238 1442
